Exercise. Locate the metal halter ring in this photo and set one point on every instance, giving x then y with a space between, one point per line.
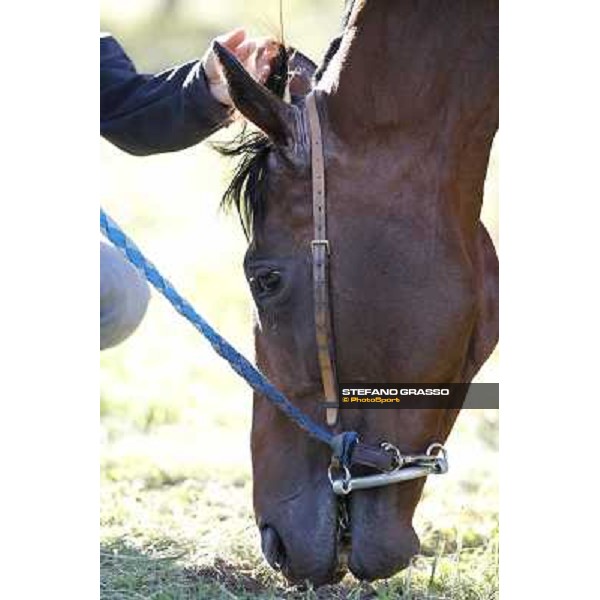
345 479
397 455
436 446
441 463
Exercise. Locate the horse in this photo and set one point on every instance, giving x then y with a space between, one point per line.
407 101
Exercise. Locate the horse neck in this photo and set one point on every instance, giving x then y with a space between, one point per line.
424 73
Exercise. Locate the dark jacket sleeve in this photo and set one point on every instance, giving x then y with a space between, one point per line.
148 114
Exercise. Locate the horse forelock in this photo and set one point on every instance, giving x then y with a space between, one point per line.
246 191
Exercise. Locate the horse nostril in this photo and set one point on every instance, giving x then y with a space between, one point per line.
272 547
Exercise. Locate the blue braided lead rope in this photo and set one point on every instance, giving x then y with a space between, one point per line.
222 347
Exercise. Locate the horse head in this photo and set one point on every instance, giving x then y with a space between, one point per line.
408 110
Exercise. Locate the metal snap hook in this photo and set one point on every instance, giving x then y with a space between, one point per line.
441 459
436 446
397 454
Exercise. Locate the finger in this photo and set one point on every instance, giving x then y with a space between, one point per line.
263 73
263 66
267 48
232 39
264 60
245 50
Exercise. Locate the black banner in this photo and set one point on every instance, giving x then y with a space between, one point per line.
417 395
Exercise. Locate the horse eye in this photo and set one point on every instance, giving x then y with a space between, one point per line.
265 283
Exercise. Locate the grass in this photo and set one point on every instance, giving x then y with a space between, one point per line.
177 522
176 517
188 533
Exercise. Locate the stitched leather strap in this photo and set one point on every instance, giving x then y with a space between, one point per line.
372 456
320 252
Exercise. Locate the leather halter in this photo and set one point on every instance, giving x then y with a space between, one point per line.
394 467
321 250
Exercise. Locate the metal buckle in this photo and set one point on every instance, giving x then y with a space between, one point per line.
325 243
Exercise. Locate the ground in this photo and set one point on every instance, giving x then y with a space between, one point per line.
178 525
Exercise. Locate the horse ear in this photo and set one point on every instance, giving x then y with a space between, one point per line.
257 103
301 70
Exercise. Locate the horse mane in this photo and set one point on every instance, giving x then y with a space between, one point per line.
247 190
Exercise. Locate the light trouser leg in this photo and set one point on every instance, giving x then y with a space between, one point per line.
124 296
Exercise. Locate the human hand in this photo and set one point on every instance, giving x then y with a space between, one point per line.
256 54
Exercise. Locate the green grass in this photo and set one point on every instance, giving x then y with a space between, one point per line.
177 522
176 516
190 542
